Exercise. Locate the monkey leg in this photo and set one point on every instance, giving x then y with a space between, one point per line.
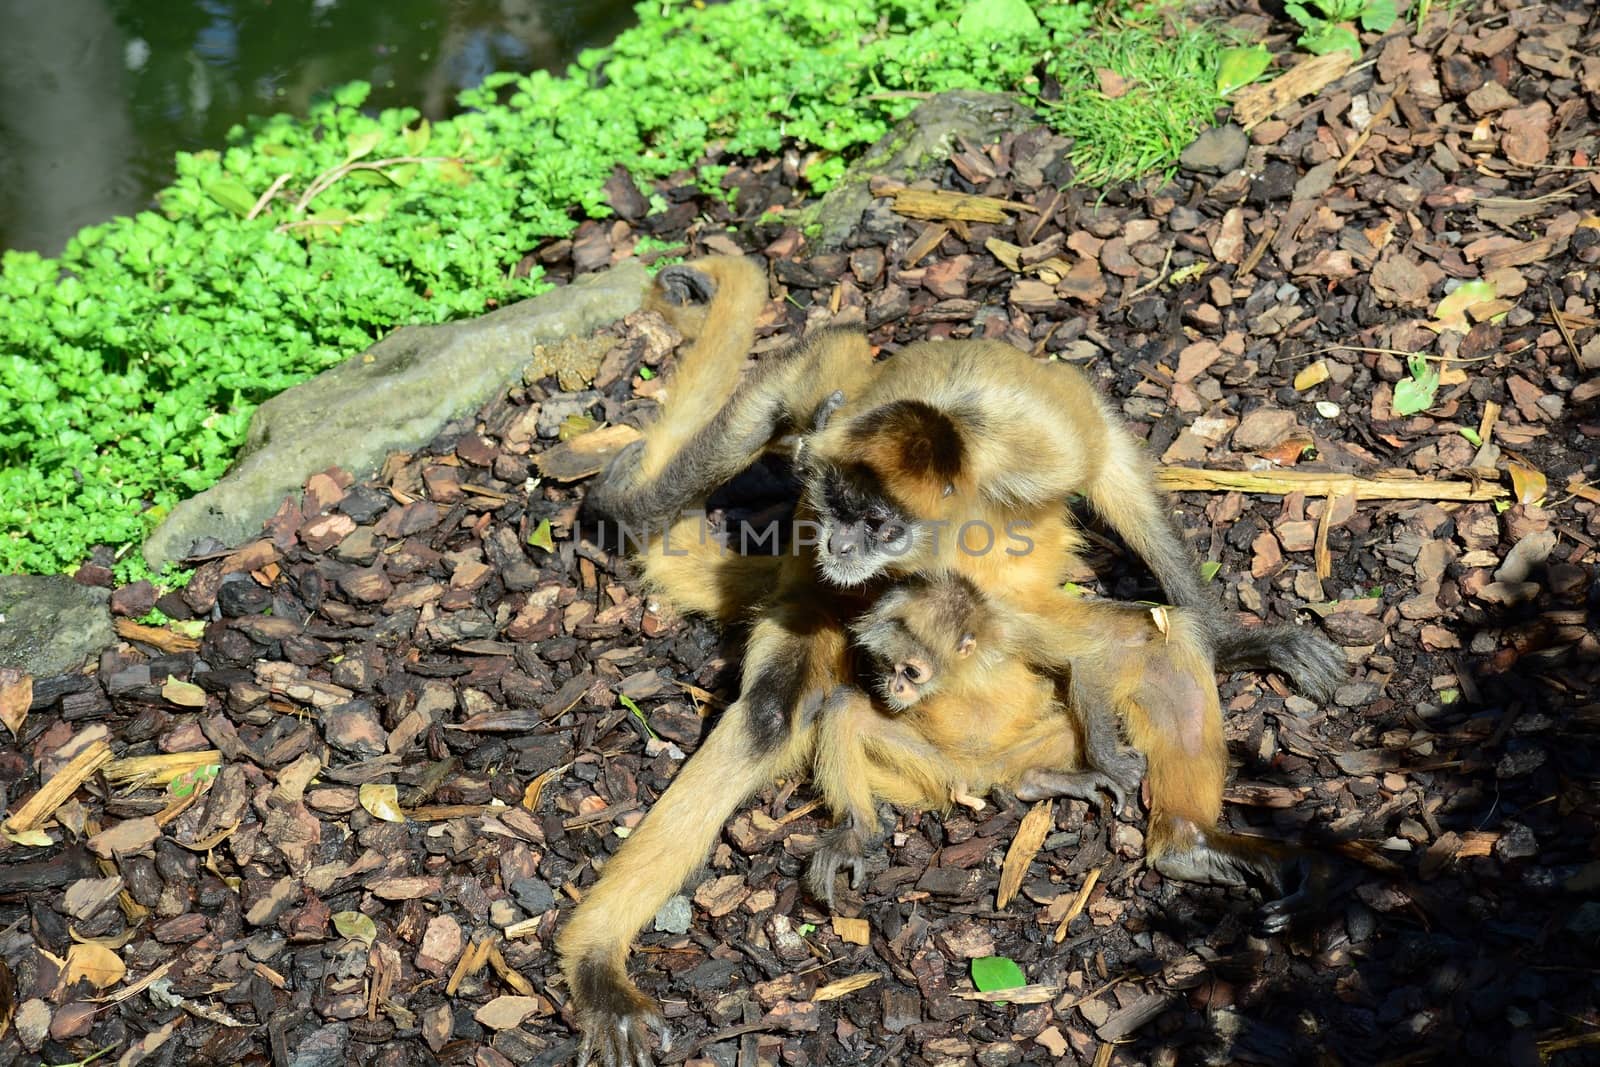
1124 495
689 568
767 732
1175 719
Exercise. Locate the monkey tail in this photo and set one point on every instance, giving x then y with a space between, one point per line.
666 848
707 374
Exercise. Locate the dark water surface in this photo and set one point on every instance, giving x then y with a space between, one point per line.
97 95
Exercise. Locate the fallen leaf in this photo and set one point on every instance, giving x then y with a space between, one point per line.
1112 84
96 963
16 696
1451 312
1241 66
184 694
541 537
506 1012
355 926
1313 375
1527 484
990 973
382 801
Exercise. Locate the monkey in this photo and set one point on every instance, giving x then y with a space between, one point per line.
797 651
932 633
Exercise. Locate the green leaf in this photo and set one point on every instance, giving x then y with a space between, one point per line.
990 973
1378 15
1415 393
541 536
1209 570
1451 314
417 137
362 144
355 926
1329 38
190 780
997 18
232 195
1241 66
646 373
1472 436
631 706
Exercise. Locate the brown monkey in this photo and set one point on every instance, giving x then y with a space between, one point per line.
896 485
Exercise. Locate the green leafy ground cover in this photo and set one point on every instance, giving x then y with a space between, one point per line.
130 365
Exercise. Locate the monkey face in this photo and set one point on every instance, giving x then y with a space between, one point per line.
860 532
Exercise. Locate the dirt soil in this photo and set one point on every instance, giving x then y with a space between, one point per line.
422 645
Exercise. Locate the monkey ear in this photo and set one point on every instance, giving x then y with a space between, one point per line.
967 643
824 415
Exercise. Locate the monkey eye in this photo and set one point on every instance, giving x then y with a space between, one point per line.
949 487
889 531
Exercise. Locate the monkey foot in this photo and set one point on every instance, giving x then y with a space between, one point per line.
1124 770
959 795
615 1018
682 284
1080 785
1307 878
842 848
1295 881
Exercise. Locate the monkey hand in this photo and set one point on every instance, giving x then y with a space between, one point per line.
681 284
1124 770
614 1018
842 847
1080 785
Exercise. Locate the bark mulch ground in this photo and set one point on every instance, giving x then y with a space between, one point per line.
404 643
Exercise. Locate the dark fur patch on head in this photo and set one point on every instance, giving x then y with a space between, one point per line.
776 691
852 493
927 440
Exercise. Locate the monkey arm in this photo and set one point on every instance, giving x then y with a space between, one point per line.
863 756
645 872
766 733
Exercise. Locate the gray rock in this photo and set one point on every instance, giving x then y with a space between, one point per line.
51 625
535 896
1529 552
1218 150
325 1047
397 395
675 916
917 147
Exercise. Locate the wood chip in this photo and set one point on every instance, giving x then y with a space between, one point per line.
942 205
54 793
1256 103
1316 483
844 986
853 931
1075 908
168 641
1031 832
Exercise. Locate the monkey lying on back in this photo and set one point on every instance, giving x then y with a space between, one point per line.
939 634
